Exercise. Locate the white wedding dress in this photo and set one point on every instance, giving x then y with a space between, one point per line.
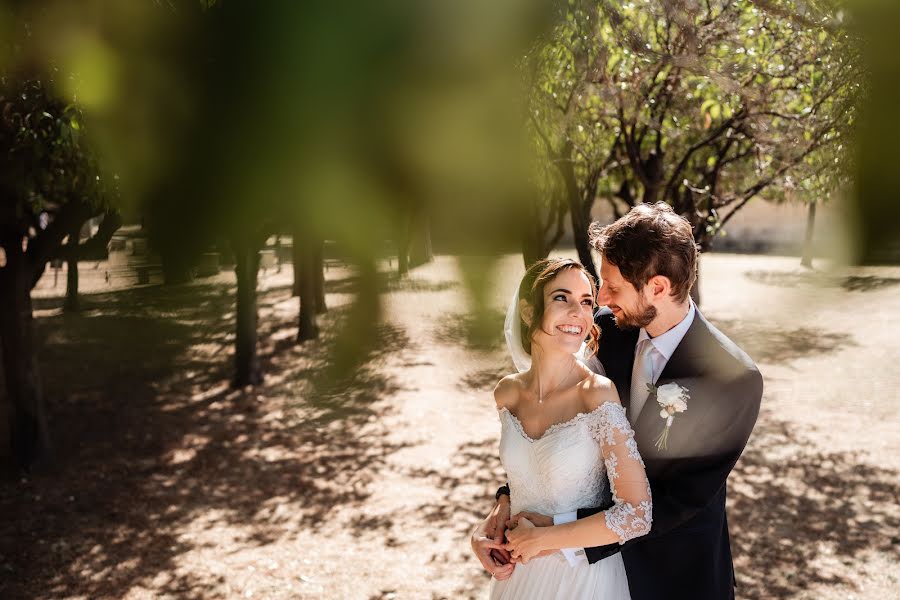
566 469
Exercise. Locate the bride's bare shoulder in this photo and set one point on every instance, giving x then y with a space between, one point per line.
597 389
507 392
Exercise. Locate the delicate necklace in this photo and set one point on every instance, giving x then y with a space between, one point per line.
559 385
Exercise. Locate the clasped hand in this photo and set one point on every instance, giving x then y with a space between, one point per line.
487 543
524 540
525 536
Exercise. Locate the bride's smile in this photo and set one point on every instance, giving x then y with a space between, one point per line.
570 329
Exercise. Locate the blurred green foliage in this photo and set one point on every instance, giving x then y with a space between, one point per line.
233 119
335 119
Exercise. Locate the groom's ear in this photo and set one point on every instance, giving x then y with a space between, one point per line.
526 311
660 287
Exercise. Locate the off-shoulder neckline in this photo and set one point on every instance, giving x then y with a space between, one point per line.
556 426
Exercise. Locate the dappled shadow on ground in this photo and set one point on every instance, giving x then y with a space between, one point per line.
152 440
474 473
484 380
767 344
867 283
799 516
479 332
468 487
851 283
332 396
391 282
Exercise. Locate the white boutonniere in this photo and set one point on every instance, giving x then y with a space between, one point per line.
673 399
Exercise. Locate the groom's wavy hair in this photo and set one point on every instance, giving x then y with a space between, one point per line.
652 239
531 289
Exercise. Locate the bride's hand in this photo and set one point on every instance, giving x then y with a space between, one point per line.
492 555
525 540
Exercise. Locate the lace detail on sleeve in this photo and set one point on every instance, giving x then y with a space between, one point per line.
632 513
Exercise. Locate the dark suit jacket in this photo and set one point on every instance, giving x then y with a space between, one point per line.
687 553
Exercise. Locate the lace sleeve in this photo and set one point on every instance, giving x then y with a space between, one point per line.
631 514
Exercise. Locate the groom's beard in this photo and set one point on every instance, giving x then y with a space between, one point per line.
643 316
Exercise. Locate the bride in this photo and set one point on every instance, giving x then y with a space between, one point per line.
564 435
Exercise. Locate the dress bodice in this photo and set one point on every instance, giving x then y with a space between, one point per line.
569 466
559 472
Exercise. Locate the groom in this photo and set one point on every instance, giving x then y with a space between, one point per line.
653 334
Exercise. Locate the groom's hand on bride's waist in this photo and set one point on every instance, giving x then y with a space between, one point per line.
496 521
538 520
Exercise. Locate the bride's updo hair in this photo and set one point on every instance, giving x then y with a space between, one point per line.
531 290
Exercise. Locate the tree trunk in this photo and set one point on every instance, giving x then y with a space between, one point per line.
29 434
307 329
580 220
807 258
246 359
6 457
580 226
420 239
530 252
319 272
71 303
651 194
542 231
175 268
278 254
695 290
624 193
533 242
296 264
403 247
653 177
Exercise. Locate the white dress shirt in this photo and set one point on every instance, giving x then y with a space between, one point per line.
664 344
663 347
